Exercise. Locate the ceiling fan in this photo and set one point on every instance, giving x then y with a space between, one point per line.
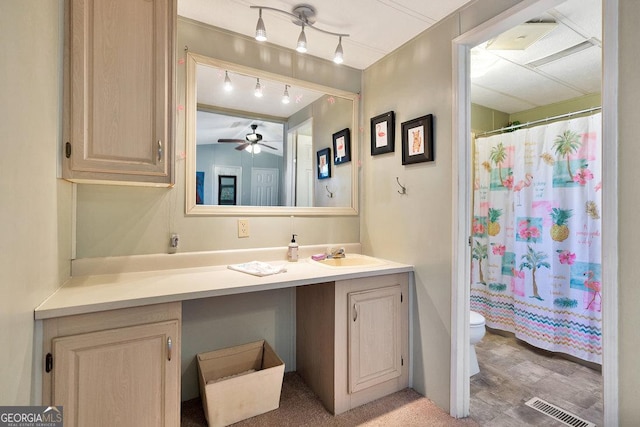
251 140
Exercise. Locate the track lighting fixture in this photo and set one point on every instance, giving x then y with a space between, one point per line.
258 91
285 96
227 82
304 16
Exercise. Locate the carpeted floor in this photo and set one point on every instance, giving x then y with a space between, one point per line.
299 406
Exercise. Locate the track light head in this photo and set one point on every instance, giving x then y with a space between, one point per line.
338 56
227 82
285 96
302 41
261 31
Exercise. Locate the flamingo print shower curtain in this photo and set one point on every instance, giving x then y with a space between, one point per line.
536 259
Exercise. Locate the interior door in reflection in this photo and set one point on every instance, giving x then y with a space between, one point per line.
264 187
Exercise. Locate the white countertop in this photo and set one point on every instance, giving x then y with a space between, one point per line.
99 292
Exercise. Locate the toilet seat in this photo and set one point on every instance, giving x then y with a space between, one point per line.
476 319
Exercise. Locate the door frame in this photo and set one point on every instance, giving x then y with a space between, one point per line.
462 187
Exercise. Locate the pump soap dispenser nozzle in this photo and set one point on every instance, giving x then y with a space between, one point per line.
292 252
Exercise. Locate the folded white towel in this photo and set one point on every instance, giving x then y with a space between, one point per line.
258 268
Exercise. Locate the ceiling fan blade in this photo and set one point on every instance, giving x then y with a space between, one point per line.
239 141
242 146
268 146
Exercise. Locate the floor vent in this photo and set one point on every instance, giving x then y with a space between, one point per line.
557 413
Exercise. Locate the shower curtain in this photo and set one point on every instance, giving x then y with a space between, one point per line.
536 259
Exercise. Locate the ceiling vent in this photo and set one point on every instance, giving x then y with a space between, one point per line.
521 36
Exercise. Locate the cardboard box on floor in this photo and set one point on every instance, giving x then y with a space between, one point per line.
239 382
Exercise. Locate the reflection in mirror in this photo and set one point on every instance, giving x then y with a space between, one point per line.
250 154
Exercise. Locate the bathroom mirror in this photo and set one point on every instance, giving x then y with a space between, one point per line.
250 155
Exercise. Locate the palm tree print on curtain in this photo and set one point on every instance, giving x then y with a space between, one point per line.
536 255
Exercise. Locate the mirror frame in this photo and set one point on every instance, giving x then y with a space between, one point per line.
191 107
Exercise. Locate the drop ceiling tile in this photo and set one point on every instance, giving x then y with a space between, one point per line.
498 100
559 39
523 83
582 70
433 11
585 15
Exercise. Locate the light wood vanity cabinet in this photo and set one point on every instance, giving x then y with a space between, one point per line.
352 339
119 367
119 91
375 335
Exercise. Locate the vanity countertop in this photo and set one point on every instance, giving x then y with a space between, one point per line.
99 292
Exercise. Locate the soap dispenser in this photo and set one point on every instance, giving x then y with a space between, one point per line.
292 252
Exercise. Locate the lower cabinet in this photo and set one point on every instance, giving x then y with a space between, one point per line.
119 367
375 335
352 339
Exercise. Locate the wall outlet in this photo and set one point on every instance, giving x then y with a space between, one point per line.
243 228
173 243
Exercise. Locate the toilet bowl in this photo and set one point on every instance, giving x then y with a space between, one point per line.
476 332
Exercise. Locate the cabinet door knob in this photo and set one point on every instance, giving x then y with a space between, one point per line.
169 348
355 312
159 150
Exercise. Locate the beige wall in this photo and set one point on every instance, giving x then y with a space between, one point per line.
484 119
569 106
416 228
118 220
413 228
629 207
36 208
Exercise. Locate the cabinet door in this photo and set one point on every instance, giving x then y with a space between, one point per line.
374 337
120 90
124 377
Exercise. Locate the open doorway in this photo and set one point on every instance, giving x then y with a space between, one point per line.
463 187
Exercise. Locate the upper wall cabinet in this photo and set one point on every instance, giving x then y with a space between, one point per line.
119 91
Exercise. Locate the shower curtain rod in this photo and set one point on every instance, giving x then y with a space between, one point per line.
560 116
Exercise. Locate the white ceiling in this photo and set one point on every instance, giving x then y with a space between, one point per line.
377 27
512 85
268 111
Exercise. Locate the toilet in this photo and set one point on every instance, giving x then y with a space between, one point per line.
476 333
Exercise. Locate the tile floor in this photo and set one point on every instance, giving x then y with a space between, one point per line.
512 372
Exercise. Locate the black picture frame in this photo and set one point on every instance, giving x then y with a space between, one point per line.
342 146
323 163
383 133
417 140
227 189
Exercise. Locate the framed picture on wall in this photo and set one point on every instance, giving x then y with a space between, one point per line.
383 133
324 163
342 146
417 140
227 189
199 188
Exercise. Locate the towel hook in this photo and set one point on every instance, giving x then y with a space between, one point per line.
404 189
330 195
